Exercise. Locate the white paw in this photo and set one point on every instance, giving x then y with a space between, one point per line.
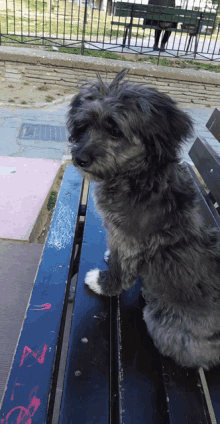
107 255
91 279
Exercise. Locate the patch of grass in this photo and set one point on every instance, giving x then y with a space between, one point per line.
26 83
43 88
23 102
174 63
49 99
11 100
89 52
10 86
52 200
180 63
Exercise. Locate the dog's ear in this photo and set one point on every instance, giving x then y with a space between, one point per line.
181 125
74 105
176 129
166 126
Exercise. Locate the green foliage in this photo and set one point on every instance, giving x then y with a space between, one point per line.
52 200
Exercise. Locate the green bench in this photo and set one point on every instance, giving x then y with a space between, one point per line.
192 21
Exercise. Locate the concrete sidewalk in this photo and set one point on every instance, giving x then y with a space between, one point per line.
33 144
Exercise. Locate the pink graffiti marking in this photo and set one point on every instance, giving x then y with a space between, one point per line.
13 391
43 307
24 414
39 356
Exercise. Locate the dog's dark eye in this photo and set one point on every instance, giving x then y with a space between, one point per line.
112 128
79 131
115 132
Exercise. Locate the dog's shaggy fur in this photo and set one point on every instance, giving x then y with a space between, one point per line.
127 137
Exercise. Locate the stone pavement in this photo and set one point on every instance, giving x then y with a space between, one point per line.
38 157
11 120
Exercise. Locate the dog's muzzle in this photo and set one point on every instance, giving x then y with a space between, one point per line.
82 159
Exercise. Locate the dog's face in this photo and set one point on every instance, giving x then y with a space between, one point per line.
123 127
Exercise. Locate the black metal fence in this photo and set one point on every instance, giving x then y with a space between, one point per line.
190 30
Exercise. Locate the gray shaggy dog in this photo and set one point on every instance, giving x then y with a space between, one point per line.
127 137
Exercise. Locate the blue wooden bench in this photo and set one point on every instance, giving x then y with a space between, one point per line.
30 390
114 374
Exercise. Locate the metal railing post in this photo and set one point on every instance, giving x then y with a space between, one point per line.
84 28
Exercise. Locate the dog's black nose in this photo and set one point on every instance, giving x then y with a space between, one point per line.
82 161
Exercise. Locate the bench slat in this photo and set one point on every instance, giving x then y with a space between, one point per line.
167 18
29 387
141 384
152 27
213 382
123 6
140 10
213 124
186 402
208 164
186 21
86 394
208 211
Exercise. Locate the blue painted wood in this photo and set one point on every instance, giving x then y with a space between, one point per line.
207 161
213 381
28 389
141 387
207 209
213 124
86 388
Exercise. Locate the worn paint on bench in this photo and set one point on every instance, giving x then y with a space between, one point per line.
28 389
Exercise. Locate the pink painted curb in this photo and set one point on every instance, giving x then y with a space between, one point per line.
24 185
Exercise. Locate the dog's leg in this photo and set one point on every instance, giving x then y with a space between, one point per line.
112 281
106 282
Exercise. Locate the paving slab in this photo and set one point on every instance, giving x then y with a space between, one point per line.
11 144
24 185
18 264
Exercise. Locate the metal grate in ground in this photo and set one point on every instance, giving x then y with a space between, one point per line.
42 132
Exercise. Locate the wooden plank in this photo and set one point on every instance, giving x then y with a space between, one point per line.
28 392
208 211
213 124
186 402
207 162
173 18
187 30
86 392
156 8
213 382
141 390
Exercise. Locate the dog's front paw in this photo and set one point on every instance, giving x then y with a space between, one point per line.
91 279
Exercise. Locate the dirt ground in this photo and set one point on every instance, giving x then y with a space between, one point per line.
31 95
42 225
